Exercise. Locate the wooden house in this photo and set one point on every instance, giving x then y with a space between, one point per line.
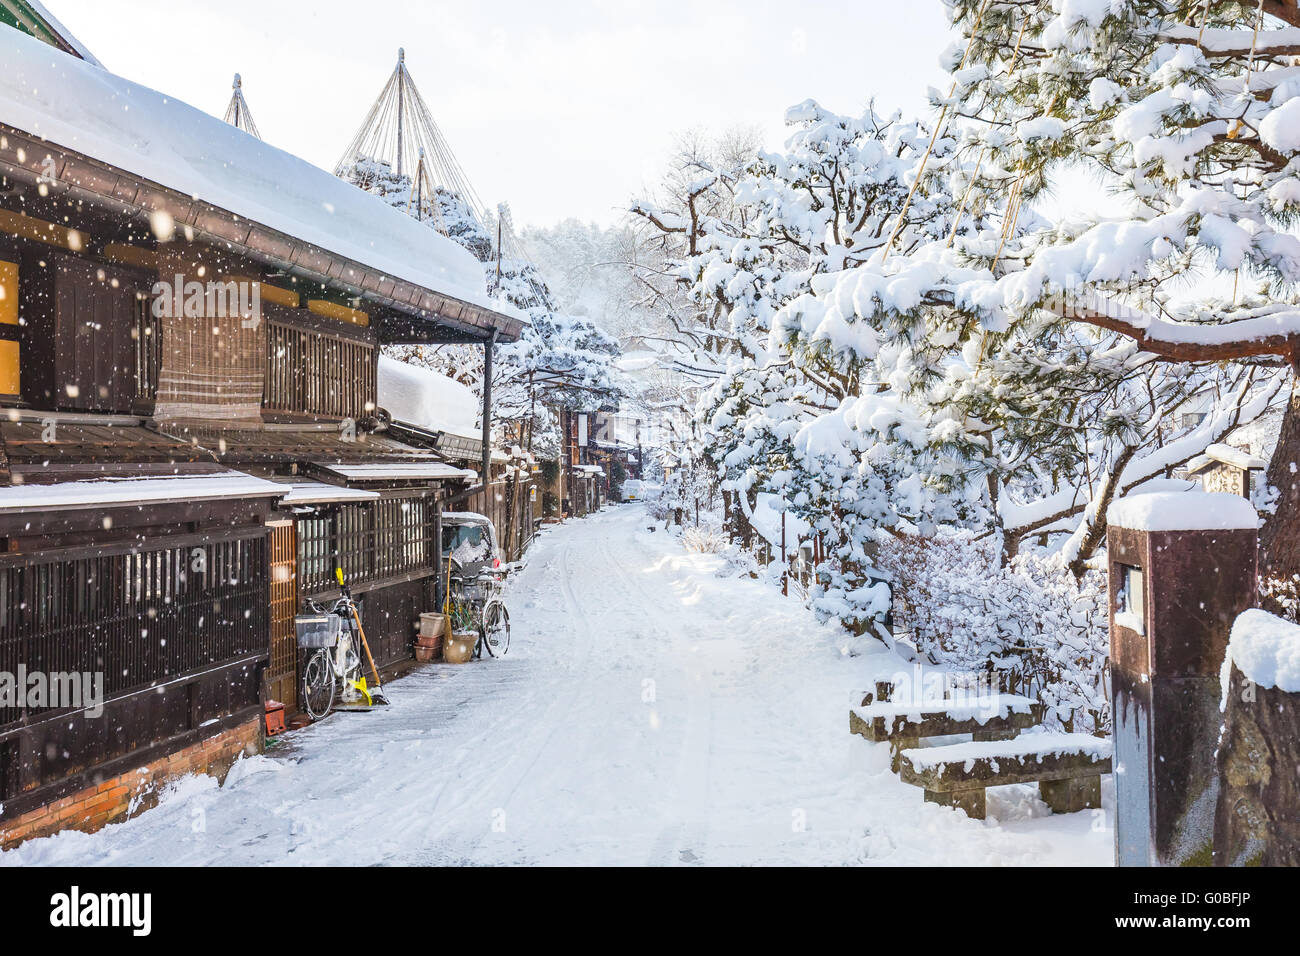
429 410
190 434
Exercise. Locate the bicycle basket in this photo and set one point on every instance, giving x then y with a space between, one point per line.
318 630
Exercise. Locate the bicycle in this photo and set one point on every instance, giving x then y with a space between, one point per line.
335 667
482 595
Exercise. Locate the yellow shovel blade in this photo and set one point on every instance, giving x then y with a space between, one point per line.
361 686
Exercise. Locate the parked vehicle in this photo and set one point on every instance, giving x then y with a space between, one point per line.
469 547
634 489
470 539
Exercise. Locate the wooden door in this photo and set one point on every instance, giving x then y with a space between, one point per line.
95 313
282 674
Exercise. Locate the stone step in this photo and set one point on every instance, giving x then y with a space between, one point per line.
941 718
1067 768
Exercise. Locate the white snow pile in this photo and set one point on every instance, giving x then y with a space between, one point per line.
766 520
51 94
1183 511
1266 649
422 397
1034 746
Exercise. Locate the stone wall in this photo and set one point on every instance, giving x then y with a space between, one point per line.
1257 820
126 794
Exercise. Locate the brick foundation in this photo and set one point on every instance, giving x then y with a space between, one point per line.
127 794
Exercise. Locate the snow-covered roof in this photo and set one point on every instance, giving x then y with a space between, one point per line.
99 492
71 103
1225 455
63 32
1182 511
423 398
397 471
318 492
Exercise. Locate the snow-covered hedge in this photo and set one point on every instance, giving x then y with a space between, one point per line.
1030 622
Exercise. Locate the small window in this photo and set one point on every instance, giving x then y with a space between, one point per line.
1130 602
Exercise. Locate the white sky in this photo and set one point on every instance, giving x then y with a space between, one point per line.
563 108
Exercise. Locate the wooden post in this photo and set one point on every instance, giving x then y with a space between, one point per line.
487 411
785 561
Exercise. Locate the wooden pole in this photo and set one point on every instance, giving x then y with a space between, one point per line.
785 563
401 97
488 345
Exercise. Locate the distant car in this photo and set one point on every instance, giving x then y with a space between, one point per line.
634 489
471 540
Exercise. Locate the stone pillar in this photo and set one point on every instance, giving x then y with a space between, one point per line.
1182 567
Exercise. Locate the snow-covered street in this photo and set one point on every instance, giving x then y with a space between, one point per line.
651 711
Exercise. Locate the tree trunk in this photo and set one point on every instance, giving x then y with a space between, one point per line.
1279 540
1095 536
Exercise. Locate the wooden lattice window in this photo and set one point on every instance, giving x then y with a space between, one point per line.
373 540
138 615
314 372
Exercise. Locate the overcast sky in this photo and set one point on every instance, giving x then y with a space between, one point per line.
563 108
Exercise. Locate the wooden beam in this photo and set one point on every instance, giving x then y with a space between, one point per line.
26 227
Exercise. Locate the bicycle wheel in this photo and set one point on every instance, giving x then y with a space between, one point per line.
318 684
494 633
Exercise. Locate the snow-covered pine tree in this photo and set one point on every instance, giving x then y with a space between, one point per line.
560 360
1187 110
977 329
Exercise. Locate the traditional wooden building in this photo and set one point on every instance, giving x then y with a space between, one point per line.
429 410
190 432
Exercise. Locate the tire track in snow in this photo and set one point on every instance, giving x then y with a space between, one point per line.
684 839
487 792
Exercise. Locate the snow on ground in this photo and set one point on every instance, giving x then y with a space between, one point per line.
654 709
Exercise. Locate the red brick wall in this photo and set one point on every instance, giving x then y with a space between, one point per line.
134 791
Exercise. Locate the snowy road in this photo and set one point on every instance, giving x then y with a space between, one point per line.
651 711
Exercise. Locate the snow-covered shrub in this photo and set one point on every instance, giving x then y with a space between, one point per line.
1281 596
704 540
1029 624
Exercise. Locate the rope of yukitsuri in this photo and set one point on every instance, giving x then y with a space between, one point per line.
979 163
1234 128
1254 44
1016 198
1205 18
934 138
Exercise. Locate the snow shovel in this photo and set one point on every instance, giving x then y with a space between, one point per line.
375 693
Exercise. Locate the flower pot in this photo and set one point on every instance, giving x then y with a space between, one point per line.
425 652
459 648
432 625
